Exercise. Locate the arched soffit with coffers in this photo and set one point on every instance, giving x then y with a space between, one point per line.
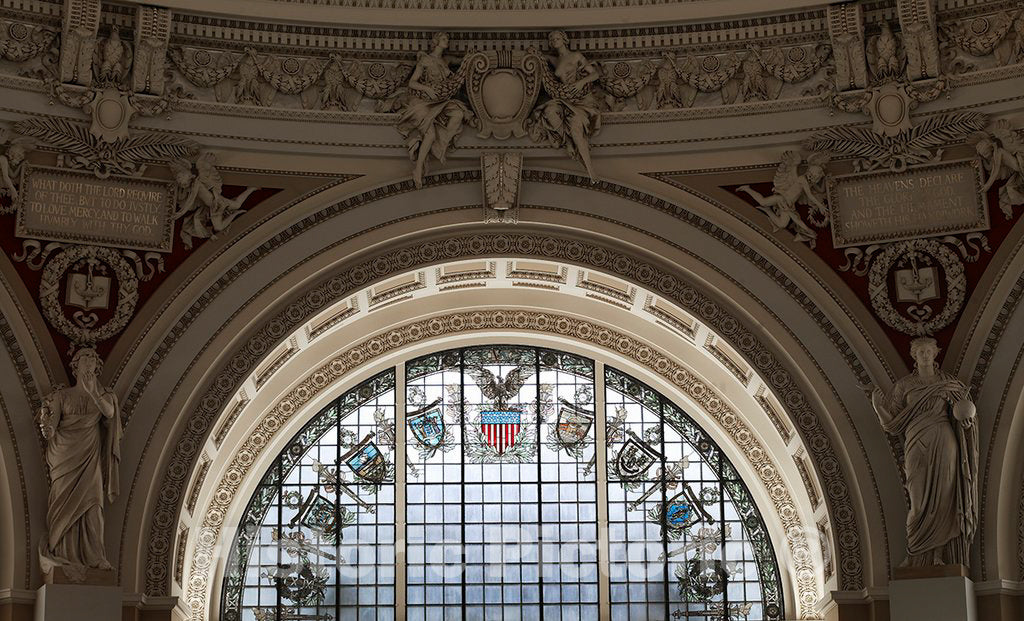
996 361
291 295
24 483
522 300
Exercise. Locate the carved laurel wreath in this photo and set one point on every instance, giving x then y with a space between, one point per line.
956 286
127 293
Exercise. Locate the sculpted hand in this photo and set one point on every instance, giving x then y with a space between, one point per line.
45 424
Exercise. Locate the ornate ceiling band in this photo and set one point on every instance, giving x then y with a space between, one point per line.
368 351
234 67
240 365
981 369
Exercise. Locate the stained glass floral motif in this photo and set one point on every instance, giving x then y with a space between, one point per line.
501 506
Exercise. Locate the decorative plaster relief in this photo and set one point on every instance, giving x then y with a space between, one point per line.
221 390
917 25
108 226
21 42
846 26
880 220
152 33
78 41
502 89
501 175
999 35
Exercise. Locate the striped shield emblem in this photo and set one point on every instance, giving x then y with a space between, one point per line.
500 428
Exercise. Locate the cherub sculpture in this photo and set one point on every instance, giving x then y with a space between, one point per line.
433 118
1002 152
791 188
10 169
572 115
211 211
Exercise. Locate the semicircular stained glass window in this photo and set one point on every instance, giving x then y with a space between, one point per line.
495 508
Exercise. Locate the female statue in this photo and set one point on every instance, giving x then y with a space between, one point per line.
571 116
82 427
933 414
433 118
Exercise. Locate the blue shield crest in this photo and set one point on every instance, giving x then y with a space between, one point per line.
427 426
366 461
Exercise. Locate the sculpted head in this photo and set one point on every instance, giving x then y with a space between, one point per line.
924 350
985 147
815 173
440 40
16 154
557 40
85 363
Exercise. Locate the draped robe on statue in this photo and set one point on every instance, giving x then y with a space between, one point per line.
83 457
941 465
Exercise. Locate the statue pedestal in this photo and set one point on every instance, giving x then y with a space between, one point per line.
63 599
75 602
941 592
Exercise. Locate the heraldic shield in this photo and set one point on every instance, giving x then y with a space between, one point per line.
635 458
501 428
684 510
573 424
366 461
427 425
320 514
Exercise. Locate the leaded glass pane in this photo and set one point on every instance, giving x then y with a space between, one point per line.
501 504
317 541
501 499
685 540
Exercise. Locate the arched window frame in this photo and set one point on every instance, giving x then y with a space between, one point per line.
394 378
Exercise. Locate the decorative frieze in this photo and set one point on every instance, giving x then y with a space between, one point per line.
78 41
999 35
152 33
846 27
20 41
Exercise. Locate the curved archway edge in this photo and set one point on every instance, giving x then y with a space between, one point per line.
220 508
361 273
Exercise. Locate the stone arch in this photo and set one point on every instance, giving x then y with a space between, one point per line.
247 349
269 423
